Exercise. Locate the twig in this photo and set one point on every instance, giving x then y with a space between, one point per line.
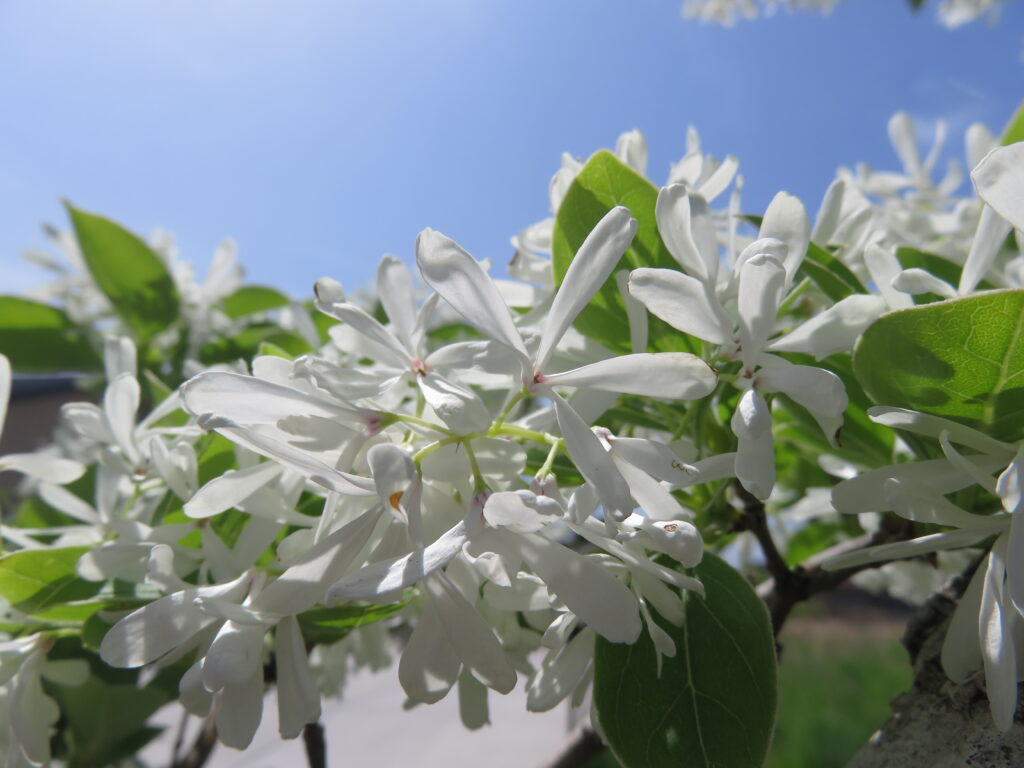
203 745
316 746
581 751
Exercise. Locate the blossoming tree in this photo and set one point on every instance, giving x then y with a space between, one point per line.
525 480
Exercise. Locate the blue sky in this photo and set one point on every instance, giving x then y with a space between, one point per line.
321 134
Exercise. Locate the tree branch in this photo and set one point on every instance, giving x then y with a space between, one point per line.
201 748
316 746
584 748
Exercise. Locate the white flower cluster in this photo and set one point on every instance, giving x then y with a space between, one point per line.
951 13
401 466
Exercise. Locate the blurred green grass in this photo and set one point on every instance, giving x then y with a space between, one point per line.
835 684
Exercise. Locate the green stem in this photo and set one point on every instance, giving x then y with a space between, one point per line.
494 430
545 468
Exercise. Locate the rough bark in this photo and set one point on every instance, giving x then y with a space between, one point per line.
936 723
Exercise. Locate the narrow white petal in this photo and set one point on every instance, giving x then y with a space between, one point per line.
593 264
916 280
884 268
933 426
394 289
590 591
191 694
834 330
997 643
755 450
904 140
786 219
428 667
961 651
305 582
362 322
32 713
119 357
462 282
239 711
298 698
1015 561
654 458
649 494
248 400
559 674
64 501
965 465
386 577
716 183
681 301
916 501
5 388
988 239
469 635
235 655
667 375
761 283
120 404
934 542
593 460
816 389
865 493
635 313
521 511
1010 485
473 710
230 489
999 179
676 207
459 408
294 458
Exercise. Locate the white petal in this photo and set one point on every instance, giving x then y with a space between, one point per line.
719 179
5 388
294 458
387 577
590 268
755 450
997 643
904 140
305 582
884 268
933 426
193 696
631 149
667 375
916 280
559 674
230 489
155 629
1015 561
470 636
119 357
761 283
816 389
1010 485
934 542
239 711
681 301
965 465
590 591
234 657
64 501
298 698
865 493
683 222
429 667
678 539
473 709
120 404
786 219
988 240
649 494
961 652
362 322
593 460
652 457
834 330
999 179
461 409
521 511
248 400
462 282
32 713
635 313
916 501
394 289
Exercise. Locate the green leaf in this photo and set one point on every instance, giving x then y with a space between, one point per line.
329 625
38 338
245 344
139 287
604 183
714 703
962 359
1014 130
830 274
250 299
33 580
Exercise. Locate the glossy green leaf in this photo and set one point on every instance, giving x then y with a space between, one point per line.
329 625
250 299
38 338
714 704
962 359
604 183
132 276
245 344
33 580
830 274
1014 130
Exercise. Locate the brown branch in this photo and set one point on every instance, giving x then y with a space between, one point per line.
316 746
201 748
586 746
